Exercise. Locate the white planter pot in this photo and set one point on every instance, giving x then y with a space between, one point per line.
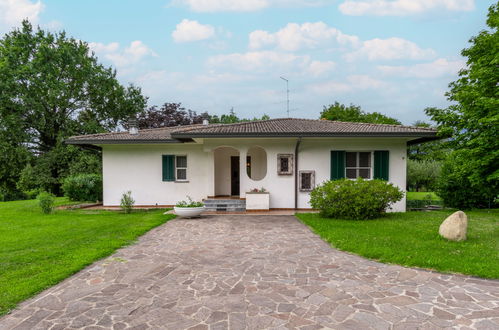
257 201
188 212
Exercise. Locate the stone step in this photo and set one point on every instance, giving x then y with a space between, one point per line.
229 209
224 201
229 205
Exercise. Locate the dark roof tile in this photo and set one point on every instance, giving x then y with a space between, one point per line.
284 127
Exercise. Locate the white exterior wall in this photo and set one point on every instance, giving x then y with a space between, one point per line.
139 168
315 154
280 187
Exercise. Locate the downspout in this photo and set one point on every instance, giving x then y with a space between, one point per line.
296 171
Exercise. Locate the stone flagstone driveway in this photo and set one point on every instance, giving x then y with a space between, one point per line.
254 272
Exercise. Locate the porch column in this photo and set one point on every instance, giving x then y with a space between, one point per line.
243 177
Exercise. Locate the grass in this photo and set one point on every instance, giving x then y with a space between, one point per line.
411 239
39 250
420 195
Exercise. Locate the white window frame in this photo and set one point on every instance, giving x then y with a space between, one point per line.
357 167
181 168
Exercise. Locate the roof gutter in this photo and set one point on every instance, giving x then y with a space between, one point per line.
294 135
99 142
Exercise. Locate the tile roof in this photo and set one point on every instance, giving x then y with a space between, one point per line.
151 135
303 127
284 127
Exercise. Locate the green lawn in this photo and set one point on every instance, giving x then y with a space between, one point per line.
420 195
39 250
412 239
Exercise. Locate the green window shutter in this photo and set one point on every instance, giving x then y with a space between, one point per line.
168 168
337 164
381 164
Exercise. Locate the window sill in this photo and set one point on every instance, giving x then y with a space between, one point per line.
181 181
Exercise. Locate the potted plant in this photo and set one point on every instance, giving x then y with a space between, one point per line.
257 199
188 208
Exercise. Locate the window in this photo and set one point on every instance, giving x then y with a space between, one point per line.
174 168
181 168
307 180
284 164
358 165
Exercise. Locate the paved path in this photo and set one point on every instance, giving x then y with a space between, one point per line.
254 272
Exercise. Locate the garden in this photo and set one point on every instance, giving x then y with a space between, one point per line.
38 250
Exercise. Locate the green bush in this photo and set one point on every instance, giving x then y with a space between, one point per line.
46 202
359 199
83 187
31 194
127 202
459 187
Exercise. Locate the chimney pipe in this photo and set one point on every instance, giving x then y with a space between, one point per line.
132 127
205 122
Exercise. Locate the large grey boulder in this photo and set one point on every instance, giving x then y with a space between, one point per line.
454 228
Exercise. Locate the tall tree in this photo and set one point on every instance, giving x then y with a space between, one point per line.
232 118
51 87
472 121
428 151
354 113
169 114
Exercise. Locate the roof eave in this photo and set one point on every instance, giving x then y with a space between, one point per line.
101 142
293 135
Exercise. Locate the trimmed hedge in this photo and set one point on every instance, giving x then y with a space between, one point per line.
354 199
83 187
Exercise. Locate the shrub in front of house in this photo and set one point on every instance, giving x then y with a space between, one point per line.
127 202
354 199
46 202
83 187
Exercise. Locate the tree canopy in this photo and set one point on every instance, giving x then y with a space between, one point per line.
52 87
353 113
472 120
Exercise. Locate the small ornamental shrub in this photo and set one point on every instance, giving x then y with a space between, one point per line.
189 203
83 187
46 202
127 202
360 199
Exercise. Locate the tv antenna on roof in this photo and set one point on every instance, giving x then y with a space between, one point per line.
287 93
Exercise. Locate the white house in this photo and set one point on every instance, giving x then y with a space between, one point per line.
287 157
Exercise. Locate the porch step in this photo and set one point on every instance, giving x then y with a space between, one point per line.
230 205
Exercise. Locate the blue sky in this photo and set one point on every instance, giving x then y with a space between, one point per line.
392 56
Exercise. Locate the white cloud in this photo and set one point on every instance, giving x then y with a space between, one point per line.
295 36
188 30
350 84
438 68
318 68
390 49
122 57
402 7
243 5
270 61
12 12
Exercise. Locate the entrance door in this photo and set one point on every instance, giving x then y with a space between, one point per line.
234 175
